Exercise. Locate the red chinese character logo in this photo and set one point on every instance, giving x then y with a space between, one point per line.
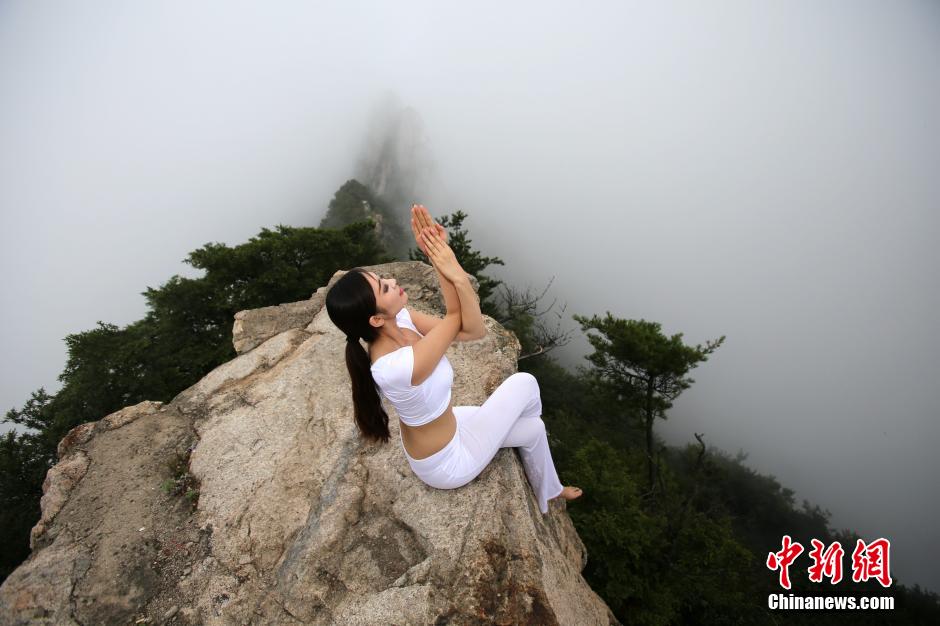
828 563
781 560
871 561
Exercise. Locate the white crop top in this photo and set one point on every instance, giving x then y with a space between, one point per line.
416 404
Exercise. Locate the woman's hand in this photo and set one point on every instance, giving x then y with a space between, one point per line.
420 219
441 255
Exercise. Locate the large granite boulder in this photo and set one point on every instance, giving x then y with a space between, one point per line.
290 518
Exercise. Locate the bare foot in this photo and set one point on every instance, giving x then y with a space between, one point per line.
569 493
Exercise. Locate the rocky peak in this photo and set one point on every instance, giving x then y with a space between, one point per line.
283 515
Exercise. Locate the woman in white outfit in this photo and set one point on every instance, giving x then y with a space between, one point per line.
446 446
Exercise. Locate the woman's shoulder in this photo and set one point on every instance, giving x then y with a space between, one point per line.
404 319
377 353
404 314
403 356
392 371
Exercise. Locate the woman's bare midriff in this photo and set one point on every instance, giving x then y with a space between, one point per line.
422 441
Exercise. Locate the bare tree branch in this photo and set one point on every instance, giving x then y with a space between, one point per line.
517 304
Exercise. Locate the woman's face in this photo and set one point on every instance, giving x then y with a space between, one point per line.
389 297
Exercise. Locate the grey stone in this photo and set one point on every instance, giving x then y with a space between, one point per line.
298 519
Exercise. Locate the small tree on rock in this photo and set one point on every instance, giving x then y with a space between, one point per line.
644 367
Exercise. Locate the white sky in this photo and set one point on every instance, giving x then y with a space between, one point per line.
767 171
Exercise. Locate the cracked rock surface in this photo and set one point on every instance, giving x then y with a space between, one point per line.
297 520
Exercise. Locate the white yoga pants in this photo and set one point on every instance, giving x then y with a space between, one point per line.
509 418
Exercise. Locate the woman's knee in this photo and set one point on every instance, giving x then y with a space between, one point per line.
525 378
530 385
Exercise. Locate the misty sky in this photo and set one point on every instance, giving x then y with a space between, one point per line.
765 171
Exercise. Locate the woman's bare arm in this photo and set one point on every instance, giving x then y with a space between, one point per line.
451 299
471 319
420 218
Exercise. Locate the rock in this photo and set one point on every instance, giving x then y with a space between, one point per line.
56 487
254 327
298 520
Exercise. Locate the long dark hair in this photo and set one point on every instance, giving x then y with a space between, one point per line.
350 303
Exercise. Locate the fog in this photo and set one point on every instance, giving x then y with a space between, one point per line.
766 172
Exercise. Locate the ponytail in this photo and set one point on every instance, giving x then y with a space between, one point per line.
371 418
350 303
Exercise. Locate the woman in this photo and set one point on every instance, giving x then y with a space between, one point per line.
446 446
